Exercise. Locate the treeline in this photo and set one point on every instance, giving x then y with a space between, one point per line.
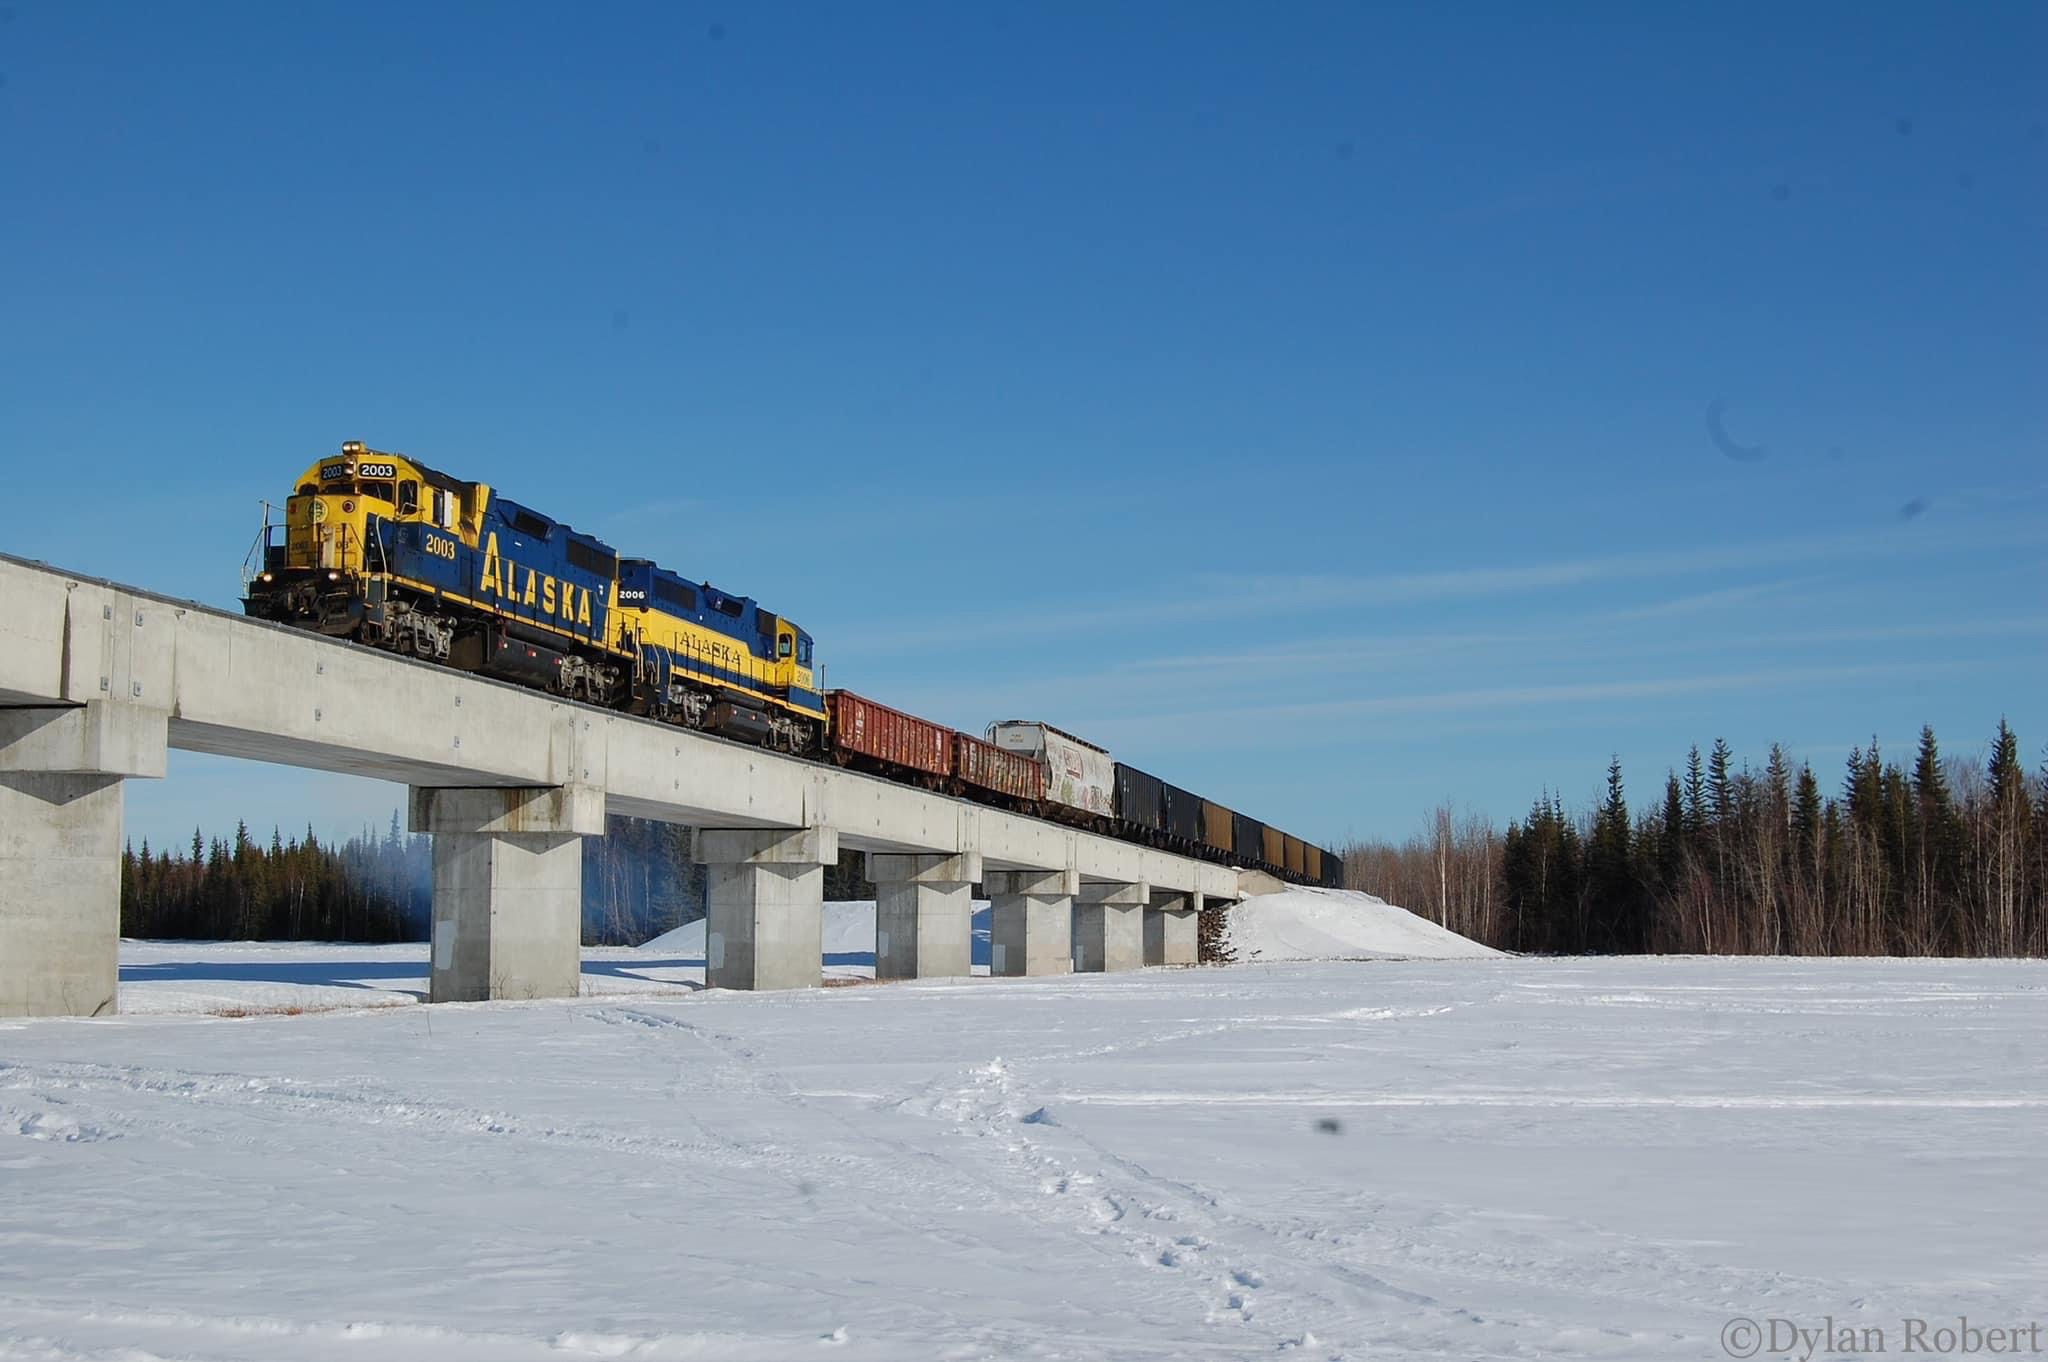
364 889
638 882
1936 857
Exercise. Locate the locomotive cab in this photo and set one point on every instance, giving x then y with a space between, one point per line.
318 567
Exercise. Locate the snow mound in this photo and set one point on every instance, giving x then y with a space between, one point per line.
849 930
1339 924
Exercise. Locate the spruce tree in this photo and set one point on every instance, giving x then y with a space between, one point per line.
1806 815
1695 799
2006 854
1615 924
2008 777
1671 848
1778 787
1720 792
1934 840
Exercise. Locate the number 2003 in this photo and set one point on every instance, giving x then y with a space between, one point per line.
440 548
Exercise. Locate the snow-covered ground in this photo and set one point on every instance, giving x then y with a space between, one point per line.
1405 1159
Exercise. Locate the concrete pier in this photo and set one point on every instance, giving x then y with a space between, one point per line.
1109 930
61 770
1171 935
508 889
1031 921
924 914
765 905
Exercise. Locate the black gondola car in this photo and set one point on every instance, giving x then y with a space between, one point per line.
1250 837
1140 799
1183 815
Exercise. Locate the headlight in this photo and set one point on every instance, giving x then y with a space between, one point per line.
334 576
266 577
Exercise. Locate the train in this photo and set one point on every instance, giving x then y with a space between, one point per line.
380 549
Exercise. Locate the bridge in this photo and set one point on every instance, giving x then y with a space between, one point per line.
98 681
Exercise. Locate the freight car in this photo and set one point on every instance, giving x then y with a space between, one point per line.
1080 778
381 549
871 735
982 768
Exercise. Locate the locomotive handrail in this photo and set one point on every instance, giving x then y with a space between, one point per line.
257 560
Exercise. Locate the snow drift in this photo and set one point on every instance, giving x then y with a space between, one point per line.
1339 924
1299 924
849 930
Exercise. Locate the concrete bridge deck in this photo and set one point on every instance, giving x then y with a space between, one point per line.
98 680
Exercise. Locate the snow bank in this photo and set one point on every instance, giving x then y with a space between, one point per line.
1299 924
849 930
1339 924
849 936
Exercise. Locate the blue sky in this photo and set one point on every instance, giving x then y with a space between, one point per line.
1328 407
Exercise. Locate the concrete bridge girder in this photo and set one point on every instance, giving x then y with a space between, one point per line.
143 673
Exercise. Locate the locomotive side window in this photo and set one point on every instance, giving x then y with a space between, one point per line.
408 497
784 646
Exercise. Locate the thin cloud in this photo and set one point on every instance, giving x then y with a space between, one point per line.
1280 595
1223 678
1572 692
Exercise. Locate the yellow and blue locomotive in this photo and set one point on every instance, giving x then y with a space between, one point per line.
382 549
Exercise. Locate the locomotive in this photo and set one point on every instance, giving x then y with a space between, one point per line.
384 550
381 549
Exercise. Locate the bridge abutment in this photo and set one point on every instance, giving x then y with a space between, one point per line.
508 889
61 774
1171 930
924 914
764 922
1109 927
1031 921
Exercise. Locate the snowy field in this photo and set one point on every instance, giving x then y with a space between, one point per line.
1421 1159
